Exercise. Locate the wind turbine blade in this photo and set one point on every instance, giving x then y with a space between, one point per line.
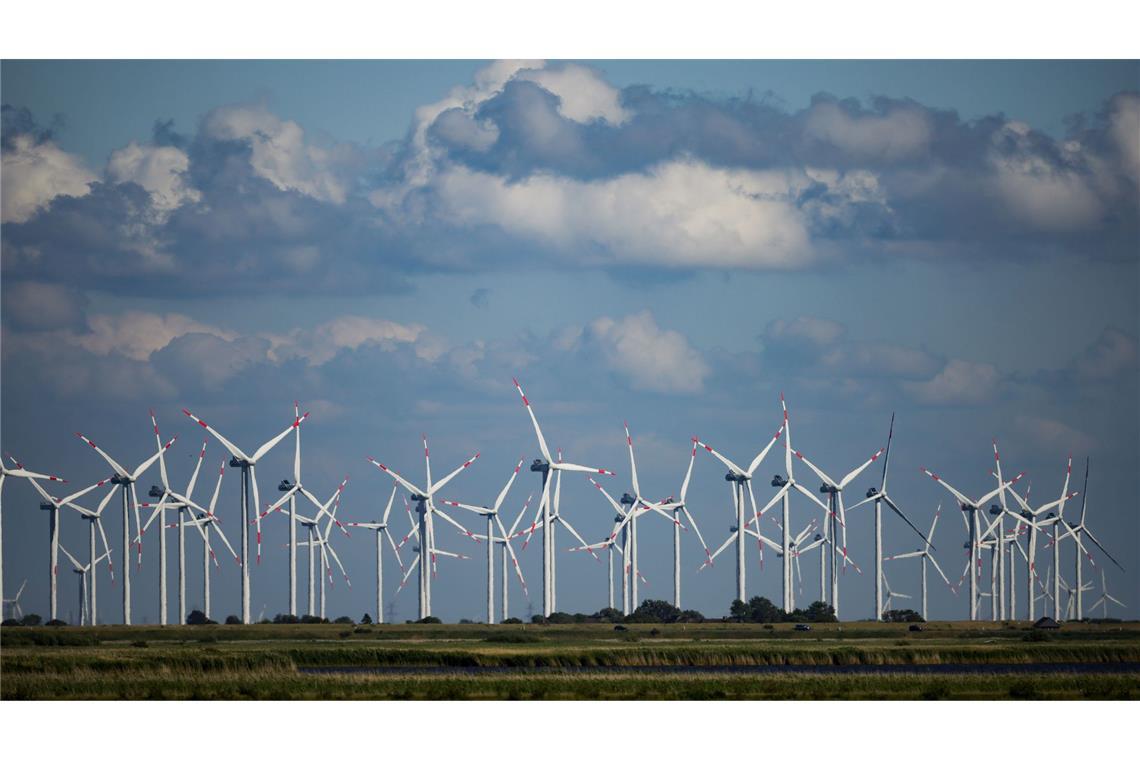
887 454
855 473
106 548
764 452
156 457
408 573
907 555
957 494
574 533
511 552
256 511
732 537
234 450
1100 546
537 430
894 507
398 478
981 502
518 519
74 561
197 467
506 489
388 509
395 549
538 511
632 461
610 499
724 460
693 522
158 447
689 472
568 467
107 457
826 509
820 473
433 489
265 447
281 502
461 529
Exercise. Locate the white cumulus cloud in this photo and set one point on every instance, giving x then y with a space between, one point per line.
960 383
33 173
161 170
649 357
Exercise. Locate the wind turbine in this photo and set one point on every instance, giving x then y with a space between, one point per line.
740 479
834 491
971 507
126 481
248 477
381 529
322 541
544 466
1076 530
1102 601
204 523
878 496
1070 597
181 503
1029 517
425 508
493 520
18 472
86 613
52 505
17 612
892 595
924 554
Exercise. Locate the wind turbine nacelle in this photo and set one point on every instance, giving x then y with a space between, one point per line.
1051 516
119 480
995 509
284 485
155 492
732 528
668 500
818 537
967 507
539 465
966 545
778 481
1027 514
46 505
235 462
618 518
872 491
825 488
627 500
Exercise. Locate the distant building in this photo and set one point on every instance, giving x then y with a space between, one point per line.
1047 623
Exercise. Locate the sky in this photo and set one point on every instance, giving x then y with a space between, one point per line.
672 244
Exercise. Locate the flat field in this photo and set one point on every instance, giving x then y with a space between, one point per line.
582 661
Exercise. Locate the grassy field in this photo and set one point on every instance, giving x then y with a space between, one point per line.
694 661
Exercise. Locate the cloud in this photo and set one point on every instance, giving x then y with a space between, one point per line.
137 334
281 154
960 383
819 332
898 131
680 214
35 173
161 170
1051 435
642 353
1113 356
43 306
320 344
582 93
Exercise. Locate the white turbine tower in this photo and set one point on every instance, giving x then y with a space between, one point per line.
248 476
741 480
925 556
94 523
878 496
314 541
1102 601
17 472
426 509
544 466
53 505
382 532
971 507
495 522
126 481
837 518
204 523
17 612
1076 531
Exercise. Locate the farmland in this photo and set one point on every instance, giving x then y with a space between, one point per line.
588 661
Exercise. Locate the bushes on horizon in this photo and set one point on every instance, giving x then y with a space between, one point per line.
197 617
55 622
233 620
759 609
902 616
366 619
31 620
512 621
430 619
343 620
312 619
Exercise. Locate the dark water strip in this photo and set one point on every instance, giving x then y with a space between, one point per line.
1081 668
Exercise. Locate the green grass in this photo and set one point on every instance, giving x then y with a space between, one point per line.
538 662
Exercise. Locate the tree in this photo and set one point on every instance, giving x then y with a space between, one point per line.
366 619
197 617
311 619
608 615
654 611
233 620
343 620
738 611
821 612
512 621
902 616
429 619
31 619
286 618
761 610
690 616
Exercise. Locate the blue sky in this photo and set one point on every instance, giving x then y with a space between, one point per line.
671 243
